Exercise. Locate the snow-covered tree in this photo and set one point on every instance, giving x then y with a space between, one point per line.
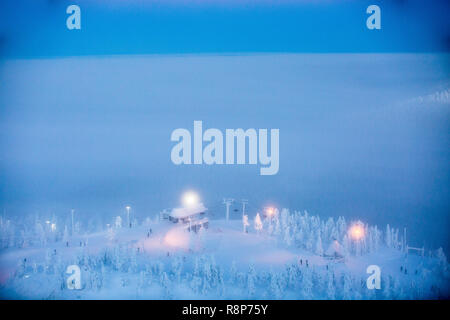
66 234
41 234
386 287
258 223
388 238
307 284
346 286
220 283
277 228
275 287
118 222
177 266
251 279
77 227
310 242
233 273
319 248
142 282
442 259
284 218
287 236
331 288
245 222
165 283
111 234
196 284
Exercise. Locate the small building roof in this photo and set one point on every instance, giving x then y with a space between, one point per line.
187 211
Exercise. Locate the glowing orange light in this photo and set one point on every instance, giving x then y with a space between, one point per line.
270 211
357 232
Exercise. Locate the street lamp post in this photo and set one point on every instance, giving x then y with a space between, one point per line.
128 215
244 203
228 203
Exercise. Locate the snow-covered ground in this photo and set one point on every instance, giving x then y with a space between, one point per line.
221 262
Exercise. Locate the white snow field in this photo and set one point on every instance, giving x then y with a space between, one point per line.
286 260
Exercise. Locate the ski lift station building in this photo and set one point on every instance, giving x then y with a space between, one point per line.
192 217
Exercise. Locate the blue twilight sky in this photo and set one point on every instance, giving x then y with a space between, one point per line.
37 28
86 115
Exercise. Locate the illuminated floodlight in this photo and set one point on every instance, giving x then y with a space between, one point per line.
190 199
357 231
270 211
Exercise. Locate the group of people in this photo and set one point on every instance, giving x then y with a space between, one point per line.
306 262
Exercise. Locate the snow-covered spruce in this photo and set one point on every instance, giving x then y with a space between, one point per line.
289 255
